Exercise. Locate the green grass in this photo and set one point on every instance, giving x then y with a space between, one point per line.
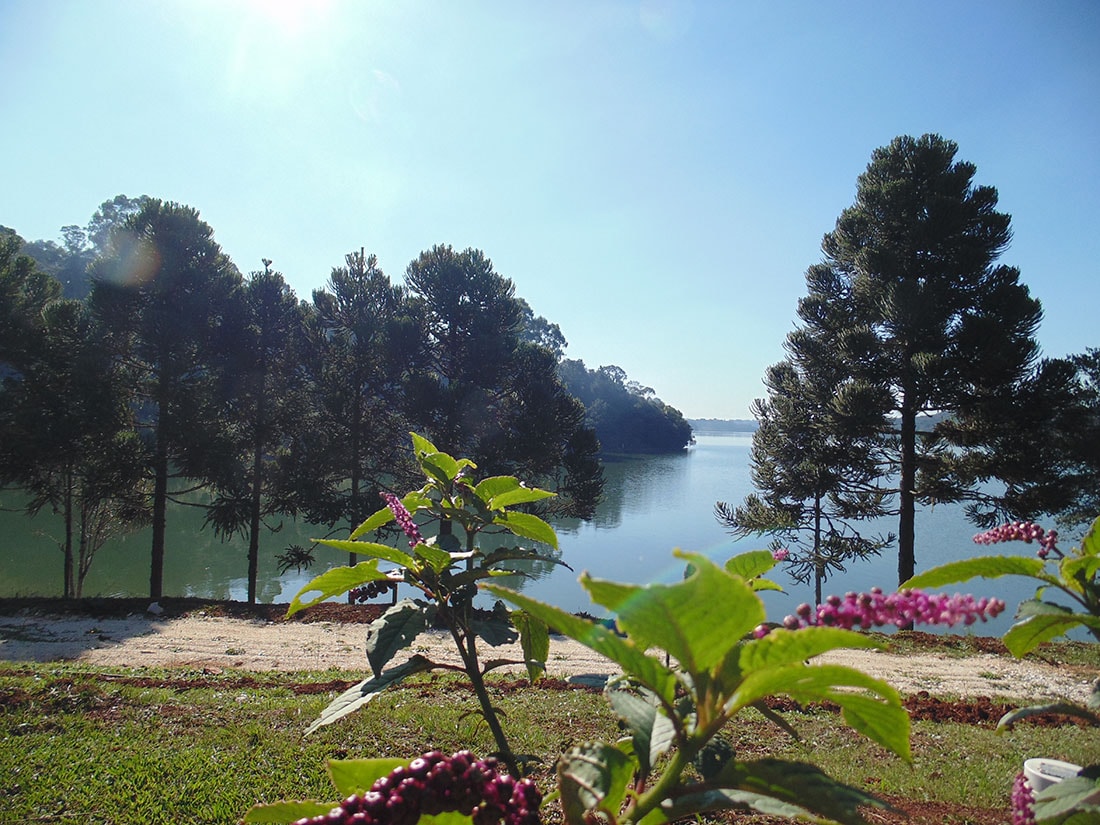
92 745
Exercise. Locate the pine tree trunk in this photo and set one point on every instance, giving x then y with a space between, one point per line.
907 497
160 506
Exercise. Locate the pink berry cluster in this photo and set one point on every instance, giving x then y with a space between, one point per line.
1027 531
877 609
404 519
433 784
1023 800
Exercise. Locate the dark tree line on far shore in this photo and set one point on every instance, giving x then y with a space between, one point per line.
138 363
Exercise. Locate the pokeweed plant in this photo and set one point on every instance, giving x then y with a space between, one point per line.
1076 576
446 570
693 656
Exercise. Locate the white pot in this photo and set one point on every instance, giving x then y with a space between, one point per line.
1042 773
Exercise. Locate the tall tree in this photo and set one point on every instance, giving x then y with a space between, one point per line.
815 455
67 440
362 342
951 330
484 392
262 390
162 289
25 292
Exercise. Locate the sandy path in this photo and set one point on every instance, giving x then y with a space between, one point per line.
197 641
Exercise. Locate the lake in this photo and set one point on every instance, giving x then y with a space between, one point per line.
652 505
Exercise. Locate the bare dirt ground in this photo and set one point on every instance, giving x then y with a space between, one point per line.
258 638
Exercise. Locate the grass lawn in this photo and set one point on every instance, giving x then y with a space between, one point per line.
91 745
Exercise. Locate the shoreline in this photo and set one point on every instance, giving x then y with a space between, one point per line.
204 638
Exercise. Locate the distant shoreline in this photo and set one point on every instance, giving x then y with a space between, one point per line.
722 426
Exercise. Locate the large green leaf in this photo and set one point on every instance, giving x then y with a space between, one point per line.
652 732
284 813
646 669
682 618
334 582
684 806
499 492
881 719
497 629
355 776
355 697
986 567
781 646
1078 572
593 777
440 466
394 630
534 639
436 558
806 785
374 521
370 548
750 565
1057 802
528 526
1030 632
421 445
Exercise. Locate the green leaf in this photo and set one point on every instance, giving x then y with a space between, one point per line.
750 565
681 618
288 812
355 776
497 629
986 567
440 466
593 777
1027 634
376 520
370 548
334 582
1076 571
782 646
1062 799
529 527
499 492
882 719
807 786
355 697
437 559
534 639
687 805
651 732
394 630
646 669
421 445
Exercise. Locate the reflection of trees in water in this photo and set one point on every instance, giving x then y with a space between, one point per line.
631 485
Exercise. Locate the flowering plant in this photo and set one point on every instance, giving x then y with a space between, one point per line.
445 569
1076 576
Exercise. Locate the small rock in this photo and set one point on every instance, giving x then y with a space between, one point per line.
155 609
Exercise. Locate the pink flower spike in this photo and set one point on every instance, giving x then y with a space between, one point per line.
404 519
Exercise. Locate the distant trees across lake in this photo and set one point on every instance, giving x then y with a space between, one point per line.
137 361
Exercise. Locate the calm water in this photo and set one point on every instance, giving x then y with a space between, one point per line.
653 505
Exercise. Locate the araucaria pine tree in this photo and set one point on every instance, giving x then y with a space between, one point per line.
931 317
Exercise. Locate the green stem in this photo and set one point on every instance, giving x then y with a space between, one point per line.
662 789
467 649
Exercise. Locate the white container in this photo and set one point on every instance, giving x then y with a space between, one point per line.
1042 773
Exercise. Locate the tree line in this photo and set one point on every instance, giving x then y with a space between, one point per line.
138 364
913 377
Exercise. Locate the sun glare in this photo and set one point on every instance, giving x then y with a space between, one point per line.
289 18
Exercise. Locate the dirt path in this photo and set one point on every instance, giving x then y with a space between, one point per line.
202 641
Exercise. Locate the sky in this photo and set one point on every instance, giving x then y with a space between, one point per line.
654 176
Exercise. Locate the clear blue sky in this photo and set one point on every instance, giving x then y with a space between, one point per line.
654 176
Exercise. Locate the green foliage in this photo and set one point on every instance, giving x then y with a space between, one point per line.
627 417
673 714
1077 576
925 314
445 569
